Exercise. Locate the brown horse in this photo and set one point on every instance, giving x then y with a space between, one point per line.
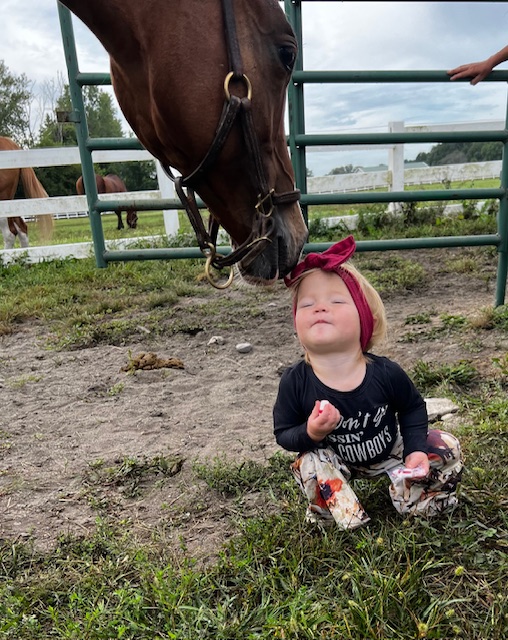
15 227
111 184
203 86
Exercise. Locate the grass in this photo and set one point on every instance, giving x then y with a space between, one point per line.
415 219
86 305
276 578
73 230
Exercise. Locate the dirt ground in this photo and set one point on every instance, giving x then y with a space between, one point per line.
69 420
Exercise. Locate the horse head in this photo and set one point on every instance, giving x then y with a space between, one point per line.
177 67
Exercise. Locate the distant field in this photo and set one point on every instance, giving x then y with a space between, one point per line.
330 210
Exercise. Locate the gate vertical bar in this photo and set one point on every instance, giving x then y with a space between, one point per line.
502 226
78 117
293 9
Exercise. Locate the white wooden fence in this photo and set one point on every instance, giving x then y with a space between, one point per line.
75 205
62 156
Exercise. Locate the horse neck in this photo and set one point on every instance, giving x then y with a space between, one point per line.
99 16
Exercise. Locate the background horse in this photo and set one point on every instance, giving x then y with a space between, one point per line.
15 227
111 184
203 86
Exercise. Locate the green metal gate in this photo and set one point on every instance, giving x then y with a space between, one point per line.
299 141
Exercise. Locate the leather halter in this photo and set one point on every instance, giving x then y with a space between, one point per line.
267 199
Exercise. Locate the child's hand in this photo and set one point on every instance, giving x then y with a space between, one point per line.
322 421
418 459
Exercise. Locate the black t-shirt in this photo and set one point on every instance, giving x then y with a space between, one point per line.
371 415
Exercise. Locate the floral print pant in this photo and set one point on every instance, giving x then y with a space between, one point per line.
324 480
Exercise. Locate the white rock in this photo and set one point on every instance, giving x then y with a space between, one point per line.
244 347
439 407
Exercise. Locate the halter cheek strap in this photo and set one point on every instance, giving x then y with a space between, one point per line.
331 261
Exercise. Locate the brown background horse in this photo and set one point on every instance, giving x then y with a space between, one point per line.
169 67
15 227
111 184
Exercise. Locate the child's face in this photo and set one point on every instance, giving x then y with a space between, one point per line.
326 317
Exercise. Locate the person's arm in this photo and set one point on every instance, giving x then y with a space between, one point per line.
413 423
410 408
478 71
299 425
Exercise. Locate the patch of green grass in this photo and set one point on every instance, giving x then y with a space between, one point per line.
429 377
500 317
416 220
447 325
236 479
86 306
77 299
21 381
130 472
420 318
391 274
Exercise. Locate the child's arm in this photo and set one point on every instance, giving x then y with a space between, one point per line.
412 416
298 425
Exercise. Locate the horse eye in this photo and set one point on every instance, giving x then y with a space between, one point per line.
287 56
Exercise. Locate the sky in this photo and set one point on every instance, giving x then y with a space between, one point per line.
336 36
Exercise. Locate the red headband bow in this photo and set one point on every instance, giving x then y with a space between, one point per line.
331 260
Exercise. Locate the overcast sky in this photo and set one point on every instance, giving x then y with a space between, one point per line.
336 35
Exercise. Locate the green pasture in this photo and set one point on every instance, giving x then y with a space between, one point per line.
73 230
277 578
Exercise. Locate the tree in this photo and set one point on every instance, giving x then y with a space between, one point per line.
461 152
100 116
348 168
15 98
138 176
102 123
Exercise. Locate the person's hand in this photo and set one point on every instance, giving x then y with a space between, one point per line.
418 459
477 71
322 422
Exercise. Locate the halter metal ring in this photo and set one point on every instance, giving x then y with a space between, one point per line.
228 79
208 273
261 203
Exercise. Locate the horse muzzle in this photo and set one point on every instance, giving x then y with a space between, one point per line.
277 248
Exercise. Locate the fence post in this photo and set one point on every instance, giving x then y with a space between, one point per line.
167 190
79 119
396 164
